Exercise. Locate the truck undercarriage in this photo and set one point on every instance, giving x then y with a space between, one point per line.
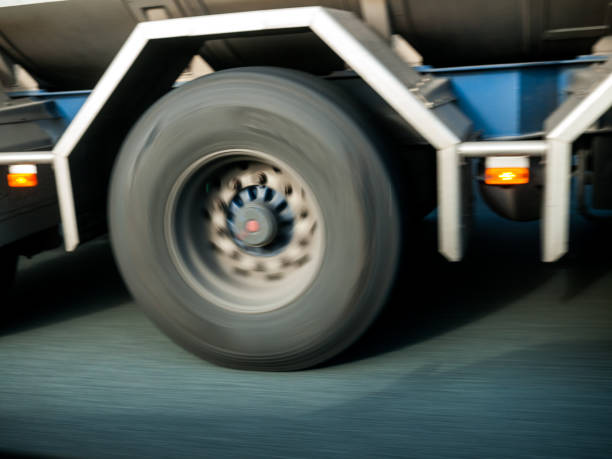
236 200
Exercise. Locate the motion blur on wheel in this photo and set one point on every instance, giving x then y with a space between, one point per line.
254 219
254 212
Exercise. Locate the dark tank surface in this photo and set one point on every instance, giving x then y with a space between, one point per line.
69 43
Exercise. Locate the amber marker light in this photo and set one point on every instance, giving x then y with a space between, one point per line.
506 175
507 170
22 176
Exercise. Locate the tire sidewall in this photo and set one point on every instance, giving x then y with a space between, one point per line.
319 141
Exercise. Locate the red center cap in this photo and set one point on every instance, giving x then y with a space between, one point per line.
252 226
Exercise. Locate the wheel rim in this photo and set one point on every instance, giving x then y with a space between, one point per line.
244 230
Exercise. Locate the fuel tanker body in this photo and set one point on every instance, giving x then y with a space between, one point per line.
69 44
260 213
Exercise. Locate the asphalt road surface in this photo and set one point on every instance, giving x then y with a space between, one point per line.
499 356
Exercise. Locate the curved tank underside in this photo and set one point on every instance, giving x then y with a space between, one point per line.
69 43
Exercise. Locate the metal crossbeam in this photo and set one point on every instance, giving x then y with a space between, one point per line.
33 157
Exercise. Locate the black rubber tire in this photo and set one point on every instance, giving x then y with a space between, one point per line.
310 126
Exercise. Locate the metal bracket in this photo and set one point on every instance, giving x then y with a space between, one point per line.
590 99
421 101
443 126
363 50
450 200
433 92
564 126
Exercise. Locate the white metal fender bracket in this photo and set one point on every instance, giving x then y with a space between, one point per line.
175 41
157 52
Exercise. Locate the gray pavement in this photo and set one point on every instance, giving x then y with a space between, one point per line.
499 356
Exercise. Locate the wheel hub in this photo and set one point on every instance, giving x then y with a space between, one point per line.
260 220
256 225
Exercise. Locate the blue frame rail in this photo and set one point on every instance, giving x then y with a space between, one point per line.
503 101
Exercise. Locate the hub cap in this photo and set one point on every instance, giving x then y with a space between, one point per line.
260 220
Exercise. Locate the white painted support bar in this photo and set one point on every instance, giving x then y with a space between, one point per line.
30 157
374 61
556 204
63 184
585 113
100 94
450 233
503 148
344 33
450 202
9 3
233 24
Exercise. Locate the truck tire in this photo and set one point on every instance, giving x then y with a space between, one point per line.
253 218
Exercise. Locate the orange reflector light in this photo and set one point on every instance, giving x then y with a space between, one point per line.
506 175
22 176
